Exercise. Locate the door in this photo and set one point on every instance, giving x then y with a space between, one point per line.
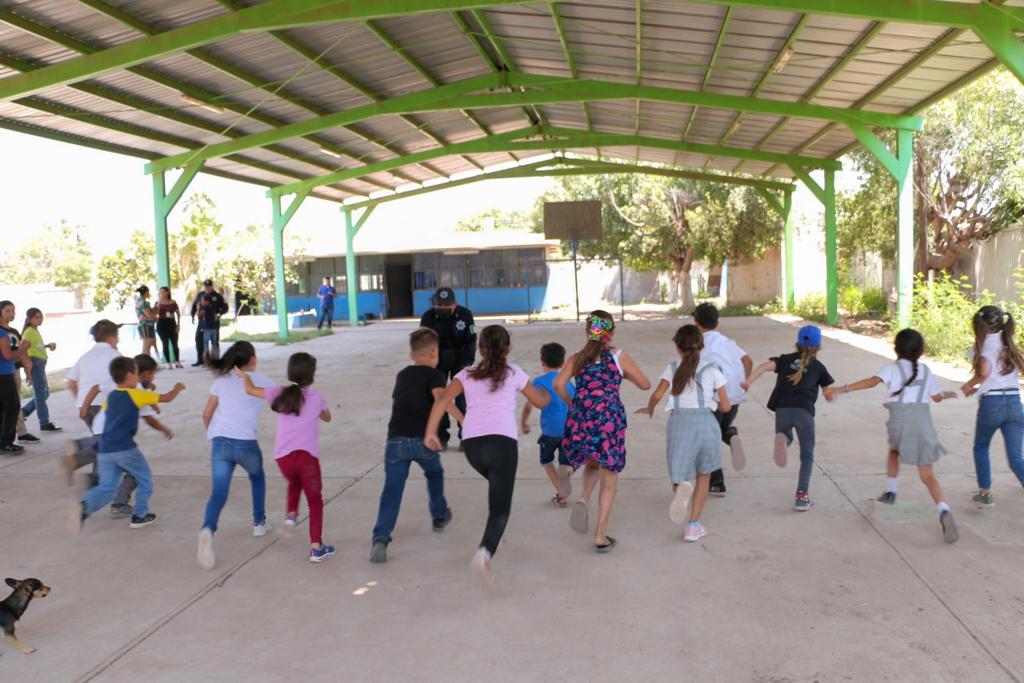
398 281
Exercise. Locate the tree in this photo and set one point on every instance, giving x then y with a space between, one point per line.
58 254
969 180
498 219
195 244
657 223
247 260
119 274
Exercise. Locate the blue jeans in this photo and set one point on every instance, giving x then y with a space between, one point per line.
41 390
211 341
111 467
399 454
786 421
326 313
1004 413
225 455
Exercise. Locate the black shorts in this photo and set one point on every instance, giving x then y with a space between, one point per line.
147 331
548 446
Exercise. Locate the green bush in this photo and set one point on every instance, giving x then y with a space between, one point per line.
811 307
942 312
862 302
773 306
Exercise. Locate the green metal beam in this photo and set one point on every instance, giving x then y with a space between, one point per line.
722 30
1001 37
279 220
351 269
163 203
563 38
827 196
273 14
460 95
506 58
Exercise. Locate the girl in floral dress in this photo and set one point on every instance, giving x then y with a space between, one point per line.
595 431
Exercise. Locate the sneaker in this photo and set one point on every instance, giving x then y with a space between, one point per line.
694 532
261 529
28 438
288 526
441 522
949 532
481 568
739 457
679 508
50 428
205 555
12 449
781 450
803 502
379 552
985 500
139 522
718 490
120 510
68 461
322 553
579 518
76 516
889 497
198 364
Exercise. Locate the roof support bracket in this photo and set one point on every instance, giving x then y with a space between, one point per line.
1001 37
163 203
279 221
772 201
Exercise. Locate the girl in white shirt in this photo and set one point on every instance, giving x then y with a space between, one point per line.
997 364
694 447
912 436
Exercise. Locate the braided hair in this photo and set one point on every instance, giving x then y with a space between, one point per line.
494 347
690 342
909 346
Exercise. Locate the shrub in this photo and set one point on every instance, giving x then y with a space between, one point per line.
811 307
942 312
862 302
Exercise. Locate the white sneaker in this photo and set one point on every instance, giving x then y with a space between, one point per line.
694 532
287 526
261 529
481 568
205 554
678 510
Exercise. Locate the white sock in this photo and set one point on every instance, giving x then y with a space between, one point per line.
942 507
891 485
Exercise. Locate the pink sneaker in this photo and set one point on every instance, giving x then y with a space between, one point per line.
694 532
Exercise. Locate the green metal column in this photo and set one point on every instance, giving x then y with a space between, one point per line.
831 249
788 239
351 272
280 293
163 260
905 229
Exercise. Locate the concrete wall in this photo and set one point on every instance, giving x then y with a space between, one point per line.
992 265
755 282
598 286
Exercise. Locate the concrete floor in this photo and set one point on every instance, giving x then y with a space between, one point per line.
839 593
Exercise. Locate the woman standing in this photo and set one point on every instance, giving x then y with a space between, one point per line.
168 325
10 401
40 387
147 320
24 362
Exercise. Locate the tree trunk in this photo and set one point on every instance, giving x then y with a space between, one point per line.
683 282
921 214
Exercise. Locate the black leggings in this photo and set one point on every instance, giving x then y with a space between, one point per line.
495 458
10 406
168 331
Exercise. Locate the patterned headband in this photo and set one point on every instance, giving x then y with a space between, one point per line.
599 329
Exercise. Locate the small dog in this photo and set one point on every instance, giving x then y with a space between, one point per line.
15 605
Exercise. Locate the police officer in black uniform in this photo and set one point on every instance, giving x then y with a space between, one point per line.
457 331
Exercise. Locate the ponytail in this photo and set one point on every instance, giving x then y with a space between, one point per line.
600 327
1011 357
301 369
807 355
494 347
689 340
237 356
993 320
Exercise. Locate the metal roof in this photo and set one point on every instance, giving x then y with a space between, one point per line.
412 91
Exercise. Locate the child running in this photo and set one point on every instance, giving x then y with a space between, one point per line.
552 423
800 374
117 453
694 449
997 365
595 429
232 420
417 387
40 386
912 436
297 446
489 432
92 369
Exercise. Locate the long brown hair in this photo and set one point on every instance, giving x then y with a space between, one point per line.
993 320
807 355
494 346
237 356
690 342
600 326
301 369
29 314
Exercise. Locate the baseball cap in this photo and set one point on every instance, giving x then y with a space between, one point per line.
809 335
207 283
444 296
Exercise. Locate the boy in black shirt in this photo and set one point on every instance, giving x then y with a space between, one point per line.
799 376
417 386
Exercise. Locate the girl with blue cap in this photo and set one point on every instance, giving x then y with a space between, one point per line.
799 376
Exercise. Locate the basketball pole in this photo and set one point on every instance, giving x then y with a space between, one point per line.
576 278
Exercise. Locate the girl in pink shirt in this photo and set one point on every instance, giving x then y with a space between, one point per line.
490 435
297 445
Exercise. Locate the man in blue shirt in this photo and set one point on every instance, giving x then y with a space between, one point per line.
327 292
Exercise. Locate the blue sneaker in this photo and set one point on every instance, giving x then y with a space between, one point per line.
322 553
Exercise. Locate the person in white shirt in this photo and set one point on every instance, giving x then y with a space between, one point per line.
912 436
92 369
232 421
997 365
736 365
694 448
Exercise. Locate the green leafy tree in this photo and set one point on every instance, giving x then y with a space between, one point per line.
58 254
498 219
196 243
120 273
246 260
656 223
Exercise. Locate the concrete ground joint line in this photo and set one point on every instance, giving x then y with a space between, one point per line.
202 593
924 582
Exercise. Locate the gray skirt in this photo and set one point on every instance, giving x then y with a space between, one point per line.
694 444
912 433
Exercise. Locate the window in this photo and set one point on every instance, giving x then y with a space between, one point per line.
491 268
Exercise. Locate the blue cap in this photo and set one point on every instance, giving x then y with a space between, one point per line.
809 335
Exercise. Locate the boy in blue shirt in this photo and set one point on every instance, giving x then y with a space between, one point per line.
552 423
117 453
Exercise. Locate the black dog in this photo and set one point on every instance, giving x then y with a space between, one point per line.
15 605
